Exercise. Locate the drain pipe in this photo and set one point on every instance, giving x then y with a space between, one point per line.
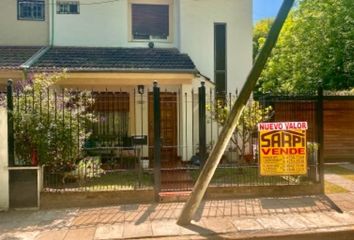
51 25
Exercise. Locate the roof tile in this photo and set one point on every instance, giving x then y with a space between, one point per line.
13 57
86 58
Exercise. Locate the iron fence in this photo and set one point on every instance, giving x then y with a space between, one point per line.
107 140
239 165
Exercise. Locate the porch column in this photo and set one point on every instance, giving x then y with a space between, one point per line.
4 173
186 120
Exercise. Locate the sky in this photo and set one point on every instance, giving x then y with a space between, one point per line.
265 9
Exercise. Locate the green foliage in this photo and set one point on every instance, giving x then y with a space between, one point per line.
252 114
316 43
49 126
260 34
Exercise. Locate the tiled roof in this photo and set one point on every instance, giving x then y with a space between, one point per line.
14 57
114 59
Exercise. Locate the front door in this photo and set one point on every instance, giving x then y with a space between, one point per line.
168 106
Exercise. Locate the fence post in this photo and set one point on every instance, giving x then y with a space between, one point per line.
157 141
10 124
320 133
202 124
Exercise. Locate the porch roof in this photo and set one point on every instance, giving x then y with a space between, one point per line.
88 59
11 57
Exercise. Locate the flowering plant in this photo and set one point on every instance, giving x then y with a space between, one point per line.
50 124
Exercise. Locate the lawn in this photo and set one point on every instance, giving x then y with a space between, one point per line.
121 180
343 172
247 176
332 188
110 181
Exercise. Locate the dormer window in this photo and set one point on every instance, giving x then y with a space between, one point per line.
151 20
68 7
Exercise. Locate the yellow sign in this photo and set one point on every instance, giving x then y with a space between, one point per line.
282 148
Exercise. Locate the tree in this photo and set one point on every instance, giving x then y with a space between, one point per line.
252 114
316 43
260 34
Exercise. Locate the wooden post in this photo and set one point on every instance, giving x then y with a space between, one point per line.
211 164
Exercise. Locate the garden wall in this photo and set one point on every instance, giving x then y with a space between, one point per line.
338 120
4 173
339 130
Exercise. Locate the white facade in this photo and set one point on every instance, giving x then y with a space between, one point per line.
191 29
21 32
103 25
197 36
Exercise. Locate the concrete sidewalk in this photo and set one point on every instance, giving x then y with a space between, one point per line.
293 218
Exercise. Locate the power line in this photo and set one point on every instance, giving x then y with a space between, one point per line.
81 4
100 2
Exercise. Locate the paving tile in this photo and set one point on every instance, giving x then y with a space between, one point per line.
107 218
196 228
320 219
294 221
219 225
343 218
340 181
165 228
85 220
227 211
273 222
80 234
114 231
132 230
247 224
52 235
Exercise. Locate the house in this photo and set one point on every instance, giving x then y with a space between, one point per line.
122 46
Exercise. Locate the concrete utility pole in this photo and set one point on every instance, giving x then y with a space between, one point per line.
211 164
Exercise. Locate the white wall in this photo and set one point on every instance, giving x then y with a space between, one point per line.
106 25
21 32
100 25
197 36
4 173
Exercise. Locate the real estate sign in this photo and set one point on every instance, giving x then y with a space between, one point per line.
282 148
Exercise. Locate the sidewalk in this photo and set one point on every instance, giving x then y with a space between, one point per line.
231 219
309 217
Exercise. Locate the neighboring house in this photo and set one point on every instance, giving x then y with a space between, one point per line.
120 45
24 23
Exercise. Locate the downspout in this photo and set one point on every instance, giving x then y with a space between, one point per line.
178 24
51 32
27 65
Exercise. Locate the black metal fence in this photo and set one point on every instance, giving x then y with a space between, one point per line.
239 165
133 139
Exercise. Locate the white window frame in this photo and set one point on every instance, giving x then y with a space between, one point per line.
31 4
151 2
66 4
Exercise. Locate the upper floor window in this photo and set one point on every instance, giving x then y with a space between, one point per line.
30 10
68 7
151 21
220 57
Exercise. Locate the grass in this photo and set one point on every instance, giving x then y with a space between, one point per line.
122 179
244 176
332 188
111 181
343 172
